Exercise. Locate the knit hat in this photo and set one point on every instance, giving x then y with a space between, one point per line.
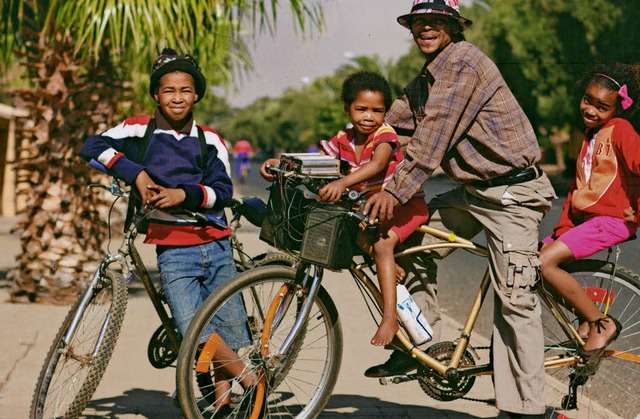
438 7
169 61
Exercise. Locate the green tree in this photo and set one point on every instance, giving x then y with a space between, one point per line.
543 46
86 63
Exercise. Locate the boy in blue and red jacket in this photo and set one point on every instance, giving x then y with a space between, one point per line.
178 165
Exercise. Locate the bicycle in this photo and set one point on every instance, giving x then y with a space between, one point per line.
85 342
297 334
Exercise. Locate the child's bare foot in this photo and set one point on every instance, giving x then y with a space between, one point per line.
583 330
386 331
400 273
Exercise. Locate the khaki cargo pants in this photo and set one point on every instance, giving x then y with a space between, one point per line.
510 217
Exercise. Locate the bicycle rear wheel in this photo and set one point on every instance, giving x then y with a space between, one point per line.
73 369
610 389
298 384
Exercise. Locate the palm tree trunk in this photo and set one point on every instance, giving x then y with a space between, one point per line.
61 226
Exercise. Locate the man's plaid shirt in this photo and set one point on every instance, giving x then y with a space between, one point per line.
464 118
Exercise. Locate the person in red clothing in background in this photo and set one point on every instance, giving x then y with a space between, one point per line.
602 202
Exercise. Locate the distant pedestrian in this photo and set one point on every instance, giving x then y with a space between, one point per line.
243 152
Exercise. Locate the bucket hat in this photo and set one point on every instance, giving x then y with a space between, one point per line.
169 61
439 7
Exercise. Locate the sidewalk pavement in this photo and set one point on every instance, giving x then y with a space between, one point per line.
132 388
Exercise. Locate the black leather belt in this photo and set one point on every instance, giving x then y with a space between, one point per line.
517 176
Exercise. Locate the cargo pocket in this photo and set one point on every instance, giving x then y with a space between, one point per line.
522 271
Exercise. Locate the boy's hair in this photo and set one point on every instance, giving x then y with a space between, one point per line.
169 61
365 81
613 76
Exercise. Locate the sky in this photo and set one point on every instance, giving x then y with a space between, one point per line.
351 28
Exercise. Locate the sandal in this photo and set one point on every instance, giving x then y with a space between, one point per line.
596 353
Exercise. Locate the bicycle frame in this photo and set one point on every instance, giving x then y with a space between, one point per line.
450 370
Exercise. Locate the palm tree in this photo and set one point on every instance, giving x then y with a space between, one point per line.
87 65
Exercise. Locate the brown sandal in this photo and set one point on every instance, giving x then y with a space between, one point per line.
596 353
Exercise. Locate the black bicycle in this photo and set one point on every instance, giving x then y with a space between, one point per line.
85 342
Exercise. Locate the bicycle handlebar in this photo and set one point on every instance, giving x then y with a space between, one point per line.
114 189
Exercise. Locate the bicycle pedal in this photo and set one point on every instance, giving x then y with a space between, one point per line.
397 379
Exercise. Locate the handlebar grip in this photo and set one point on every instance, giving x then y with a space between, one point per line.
97 165
210 220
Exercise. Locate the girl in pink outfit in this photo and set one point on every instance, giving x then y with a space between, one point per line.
600 208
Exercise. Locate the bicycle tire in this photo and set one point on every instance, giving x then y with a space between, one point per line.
265 259
65 386
300 386
612 390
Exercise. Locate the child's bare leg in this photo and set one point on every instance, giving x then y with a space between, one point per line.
227 366
362 242
386 269
567 286
227 359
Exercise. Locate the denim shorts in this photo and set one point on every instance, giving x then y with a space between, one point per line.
188 275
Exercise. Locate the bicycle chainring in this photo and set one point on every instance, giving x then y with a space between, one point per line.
438 387
159 350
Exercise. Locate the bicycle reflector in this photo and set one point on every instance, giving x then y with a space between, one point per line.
600 295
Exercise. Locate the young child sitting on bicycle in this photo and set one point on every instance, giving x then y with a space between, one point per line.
171 171
372 151
600 208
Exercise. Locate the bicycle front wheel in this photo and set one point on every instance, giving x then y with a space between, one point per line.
610 388
298 383
81 350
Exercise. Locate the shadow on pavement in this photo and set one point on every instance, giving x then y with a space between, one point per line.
139 402
368 407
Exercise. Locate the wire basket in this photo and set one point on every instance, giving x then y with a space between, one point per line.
323 233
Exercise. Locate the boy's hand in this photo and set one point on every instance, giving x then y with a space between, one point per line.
273 162
166 197
630 216
143 185
332 191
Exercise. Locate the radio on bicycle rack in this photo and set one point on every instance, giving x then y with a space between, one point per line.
298 221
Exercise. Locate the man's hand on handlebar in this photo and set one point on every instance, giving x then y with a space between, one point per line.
264 169
380 205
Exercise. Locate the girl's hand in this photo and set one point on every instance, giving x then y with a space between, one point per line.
333 191
166 197
273 162
630 216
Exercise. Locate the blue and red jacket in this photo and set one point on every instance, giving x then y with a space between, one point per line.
173 160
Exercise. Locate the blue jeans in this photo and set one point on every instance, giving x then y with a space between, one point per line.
189 274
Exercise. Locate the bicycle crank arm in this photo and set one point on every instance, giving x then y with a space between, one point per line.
397 379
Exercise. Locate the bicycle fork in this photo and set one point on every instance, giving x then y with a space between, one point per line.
310 284
88 295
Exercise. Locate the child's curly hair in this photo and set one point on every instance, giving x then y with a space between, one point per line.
365 81
623 74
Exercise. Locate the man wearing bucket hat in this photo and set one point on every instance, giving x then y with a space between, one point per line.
460 115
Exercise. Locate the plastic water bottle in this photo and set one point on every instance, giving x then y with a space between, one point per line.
412 318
